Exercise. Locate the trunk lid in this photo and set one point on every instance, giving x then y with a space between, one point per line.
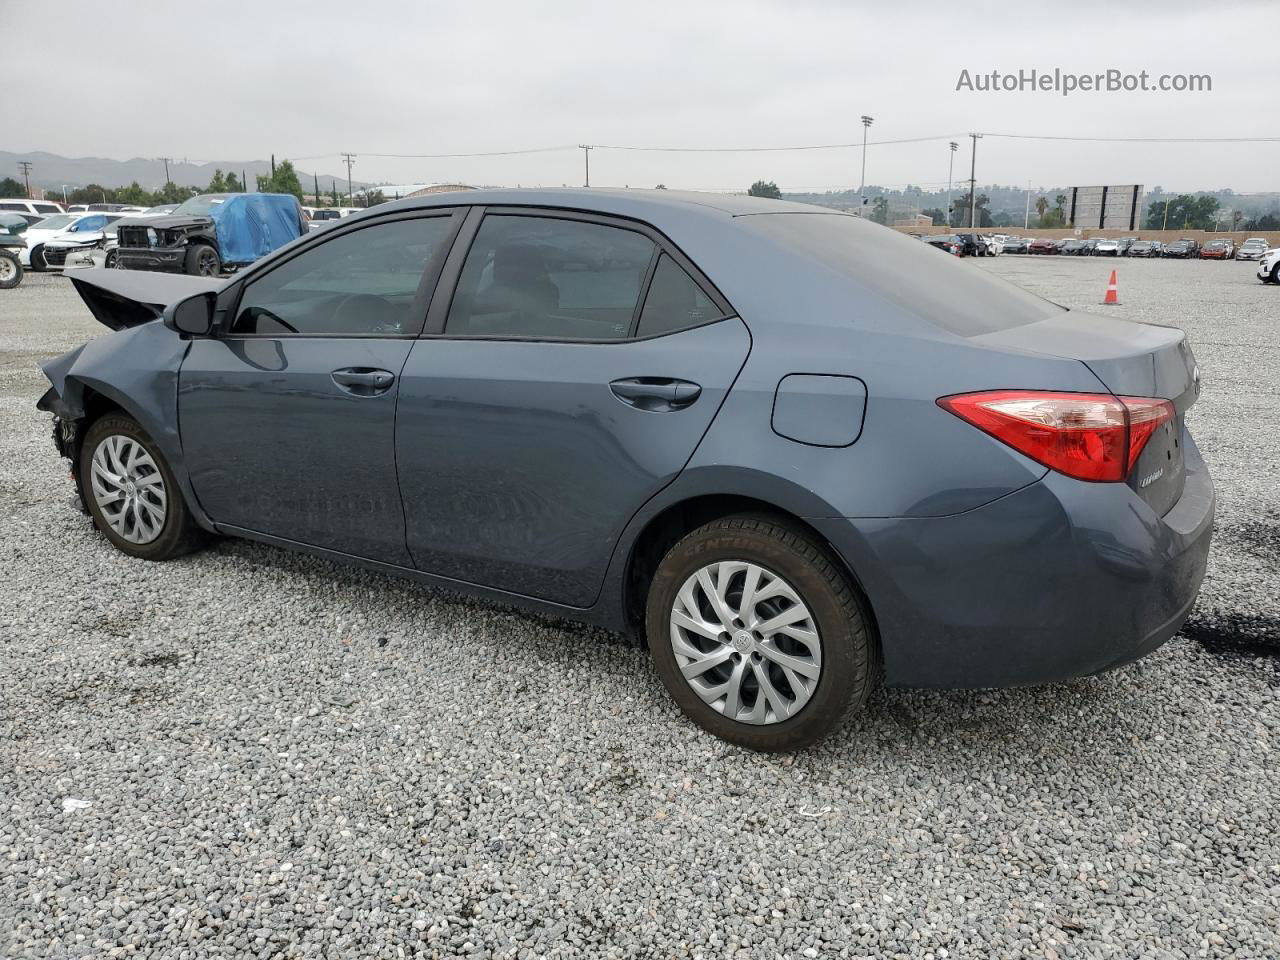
1133 360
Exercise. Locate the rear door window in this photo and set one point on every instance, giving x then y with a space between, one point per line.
550 278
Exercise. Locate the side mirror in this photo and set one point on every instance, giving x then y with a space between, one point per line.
192 316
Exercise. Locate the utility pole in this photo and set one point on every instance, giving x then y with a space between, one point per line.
315 178
349 157
973 183
862 188
950 167
1166 212
165 161
1026 217
25 167
586 159
273 166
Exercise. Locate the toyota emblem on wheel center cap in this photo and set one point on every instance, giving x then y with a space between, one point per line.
743 641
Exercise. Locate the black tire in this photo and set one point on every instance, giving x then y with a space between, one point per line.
1275 273
178 534
848 661
38 264
202 261
10 270
112 261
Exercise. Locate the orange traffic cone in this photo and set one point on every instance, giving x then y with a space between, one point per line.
1112 299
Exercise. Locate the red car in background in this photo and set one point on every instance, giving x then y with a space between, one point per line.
1042 246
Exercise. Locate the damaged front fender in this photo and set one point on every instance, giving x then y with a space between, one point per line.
134 370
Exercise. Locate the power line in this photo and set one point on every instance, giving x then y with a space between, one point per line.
810 146
445 156
1032 136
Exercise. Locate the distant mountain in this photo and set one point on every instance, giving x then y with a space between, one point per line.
50 171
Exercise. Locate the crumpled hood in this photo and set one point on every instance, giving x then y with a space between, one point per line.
166 222
120 299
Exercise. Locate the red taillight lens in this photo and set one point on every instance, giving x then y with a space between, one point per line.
1089 436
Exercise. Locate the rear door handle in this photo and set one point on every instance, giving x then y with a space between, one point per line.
364 381
655 393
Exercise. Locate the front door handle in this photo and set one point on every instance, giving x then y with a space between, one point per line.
364 381
656 393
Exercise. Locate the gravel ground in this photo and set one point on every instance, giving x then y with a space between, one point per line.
251 753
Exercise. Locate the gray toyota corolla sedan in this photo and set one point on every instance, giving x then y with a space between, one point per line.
792 450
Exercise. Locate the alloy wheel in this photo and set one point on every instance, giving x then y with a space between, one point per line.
745 642
129 489
8 269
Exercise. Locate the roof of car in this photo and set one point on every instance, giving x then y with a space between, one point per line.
637 202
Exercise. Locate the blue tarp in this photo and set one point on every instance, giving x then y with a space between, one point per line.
251 225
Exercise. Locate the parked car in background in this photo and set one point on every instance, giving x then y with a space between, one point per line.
970 460
1252 249
971 245
77 227
1124 243
41 208
947 243
1106 247
994 246
104 254
1073 248
1182 249
212 233
12 226
1017 245
1269 266
1218 250
1143 248
91 231
1043 247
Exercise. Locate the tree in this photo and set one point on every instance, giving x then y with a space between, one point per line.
284 180
936 214
1268 221
374 197
233 184
880 210
1042 204
92 193
172 193
984 216
10 187
134 194
762 188
1183 212
1053 219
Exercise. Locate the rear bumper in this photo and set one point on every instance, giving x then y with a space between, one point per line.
1057 580
166 259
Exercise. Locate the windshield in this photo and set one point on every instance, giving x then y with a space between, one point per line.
200 206
56 222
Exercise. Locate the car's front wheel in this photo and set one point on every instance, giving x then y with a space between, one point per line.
202 261
758 634
131 493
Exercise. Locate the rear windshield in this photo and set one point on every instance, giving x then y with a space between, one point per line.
956 295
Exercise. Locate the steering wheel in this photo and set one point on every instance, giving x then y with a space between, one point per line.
347 315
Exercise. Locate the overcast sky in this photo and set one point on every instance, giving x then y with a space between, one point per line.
238 81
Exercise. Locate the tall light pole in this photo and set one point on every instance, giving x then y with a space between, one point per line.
350 158
950 167
973 183
25 167
1026 216
586 159
862 189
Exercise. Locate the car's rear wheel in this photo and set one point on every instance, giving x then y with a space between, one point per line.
10 270
112 260
758 634
131 493
202 261
1275 273
38 263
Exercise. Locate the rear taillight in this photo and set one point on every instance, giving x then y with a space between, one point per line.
1089 436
